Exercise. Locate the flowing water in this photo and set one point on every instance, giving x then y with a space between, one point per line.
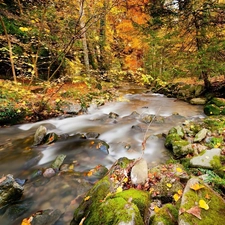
124 134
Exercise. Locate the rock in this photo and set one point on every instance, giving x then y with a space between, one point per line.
39 135
48 173
166 181
218 101
58 162
113 115
201 135
198 101
139 172
46 217
108 203
167 215
92 135
205 160
211 109
10 190
190 200
50 138
182 148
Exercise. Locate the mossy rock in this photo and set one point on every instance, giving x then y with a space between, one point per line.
181 148
127 207
218 101
215 214
105 203
170 139
167 215
212 109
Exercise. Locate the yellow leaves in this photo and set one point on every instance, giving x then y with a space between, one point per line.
169 185
156 209
197 186
177 195
179 170
202 204
87 198
25 29
119 189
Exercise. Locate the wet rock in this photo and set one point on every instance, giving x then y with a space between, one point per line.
50 138
49 172
58 162
205 160
198 101
10 190
92 135
14 211
113 115
215 214
46 217
96 173
139 172
39 135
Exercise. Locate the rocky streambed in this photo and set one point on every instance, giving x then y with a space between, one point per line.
145 160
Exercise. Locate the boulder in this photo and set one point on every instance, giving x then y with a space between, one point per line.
198 101
200 205
205 160
108 203
10 190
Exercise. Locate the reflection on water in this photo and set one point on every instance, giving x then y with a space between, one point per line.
124 135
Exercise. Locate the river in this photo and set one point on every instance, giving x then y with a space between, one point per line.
126 131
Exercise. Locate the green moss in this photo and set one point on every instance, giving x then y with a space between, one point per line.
218 168
215 142
114 211
179 148
216 207
167 215
211 109
218 101
139 198
170 139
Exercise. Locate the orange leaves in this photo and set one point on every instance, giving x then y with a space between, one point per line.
195 211
26 222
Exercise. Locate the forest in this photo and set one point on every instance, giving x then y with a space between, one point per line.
88 41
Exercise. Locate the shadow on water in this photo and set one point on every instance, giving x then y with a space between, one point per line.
123 132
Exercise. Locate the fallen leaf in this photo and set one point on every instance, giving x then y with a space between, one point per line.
180 192
87 198
197 186
119 189
179 170
2 179
25 222
176 197
195 211
156 209
207 196
202 204
169 185
181 210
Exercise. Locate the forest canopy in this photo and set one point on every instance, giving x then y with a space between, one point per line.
163 38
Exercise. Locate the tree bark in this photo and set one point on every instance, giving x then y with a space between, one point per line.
10 50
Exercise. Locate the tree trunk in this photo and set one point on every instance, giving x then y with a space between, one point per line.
84 38
10 50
